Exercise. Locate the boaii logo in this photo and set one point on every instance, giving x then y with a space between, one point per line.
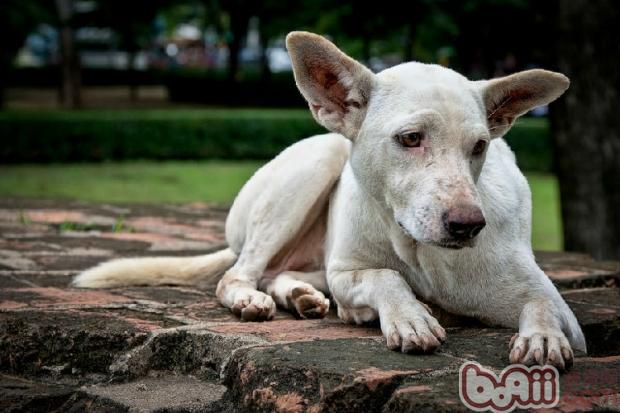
517 386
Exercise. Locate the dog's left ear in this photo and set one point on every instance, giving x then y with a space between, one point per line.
509 97
336 86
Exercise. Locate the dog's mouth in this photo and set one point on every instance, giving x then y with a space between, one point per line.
452 245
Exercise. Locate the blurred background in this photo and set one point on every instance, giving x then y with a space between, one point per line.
181 101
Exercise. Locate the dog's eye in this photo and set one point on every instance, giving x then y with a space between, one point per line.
479 147
409 139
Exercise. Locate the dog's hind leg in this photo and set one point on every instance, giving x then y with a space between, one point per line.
272 216
300 292
274 227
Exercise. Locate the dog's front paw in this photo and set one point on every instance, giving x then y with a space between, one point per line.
252 305
412 329
550 348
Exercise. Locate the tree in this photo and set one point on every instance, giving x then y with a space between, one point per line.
274 18
70 58
132 21
586 125
238 13
488 30
17 19
358 20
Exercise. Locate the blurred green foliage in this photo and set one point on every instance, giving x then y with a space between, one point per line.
66 136
531 141
546 214
89 135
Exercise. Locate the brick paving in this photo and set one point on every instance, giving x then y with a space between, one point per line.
175 349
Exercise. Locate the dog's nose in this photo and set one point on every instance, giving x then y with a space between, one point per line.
464 222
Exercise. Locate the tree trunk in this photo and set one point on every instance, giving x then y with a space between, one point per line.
408 43
239 28
132 75
366 40
265 71
586 126
70 65
5 69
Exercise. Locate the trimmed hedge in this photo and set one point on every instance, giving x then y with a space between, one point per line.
72 136
64 136
50 76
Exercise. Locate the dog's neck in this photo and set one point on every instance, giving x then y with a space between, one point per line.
403 244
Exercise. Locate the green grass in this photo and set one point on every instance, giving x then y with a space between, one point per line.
209 181
546 214
142 182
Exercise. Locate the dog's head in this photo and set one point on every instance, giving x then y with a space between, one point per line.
420 132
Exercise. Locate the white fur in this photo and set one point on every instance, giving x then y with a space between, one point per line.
370 215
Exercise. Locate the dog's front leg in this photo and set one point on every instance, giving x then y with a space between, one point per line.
541 339
365 295
548 329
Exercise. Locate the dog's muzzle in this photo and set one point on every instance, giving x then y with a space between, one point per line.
463 223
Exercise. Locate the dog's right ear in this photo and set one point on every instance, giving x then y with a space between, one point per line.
509 97
336 86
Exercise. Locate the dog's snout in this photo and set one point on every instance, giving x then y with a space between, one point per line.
464 222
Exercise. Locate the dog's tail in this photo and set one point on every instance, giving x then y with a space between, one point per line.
157 271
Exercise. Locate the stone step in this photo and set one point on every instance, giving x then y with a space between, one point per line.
176 349
168 393
157 393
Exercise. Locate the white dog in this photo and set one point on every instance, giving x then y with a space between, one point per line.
415 194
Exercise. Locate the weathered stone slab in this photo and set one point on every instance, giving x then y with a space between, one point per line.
598 312
169 393
286 328
23 395
70 342
324 375
176 349
572 270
